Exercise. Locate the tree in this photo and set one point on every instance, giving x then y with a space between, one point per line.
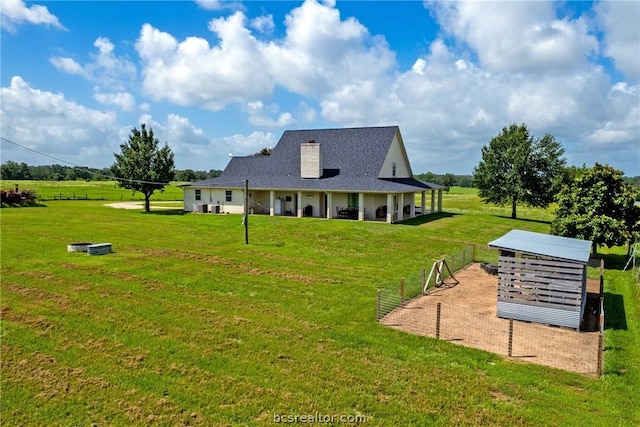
598 206
266 151
142 166
516 168
13 170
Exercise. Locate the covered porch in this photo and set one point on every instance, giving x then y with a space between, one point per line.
359 206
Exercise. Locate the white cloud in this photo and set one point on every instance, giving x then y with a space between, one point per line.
14 12
220 4
447 108
67 65
263 24
105 68
620 22
319 52
190 145
260 116
50 123
244 145
307 113
518 36
124 100
193 73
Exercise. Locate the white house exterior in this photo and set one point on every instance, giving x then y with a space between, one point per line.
354 173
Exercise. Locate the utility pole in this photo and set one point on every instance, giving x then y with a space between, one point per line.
245 221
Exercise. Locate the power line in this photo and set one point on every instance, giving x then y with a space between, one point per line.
78 167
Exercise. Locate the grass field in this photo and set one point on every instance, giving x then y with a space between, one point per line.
91 190
185 325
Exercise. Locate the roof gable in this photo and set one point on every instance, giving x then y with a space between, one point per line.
396 163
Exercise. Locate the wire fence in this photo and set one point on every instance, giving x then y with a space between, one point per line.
462 310
393 296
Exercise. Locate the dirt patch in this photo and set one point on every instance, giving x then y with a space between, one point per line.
140 205
468 317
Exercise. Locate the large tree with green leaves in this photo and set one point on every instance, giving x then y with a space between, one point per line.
142 165
598 205
516 168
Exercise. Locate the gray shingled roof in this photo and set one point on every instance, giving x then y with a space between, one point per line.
352 159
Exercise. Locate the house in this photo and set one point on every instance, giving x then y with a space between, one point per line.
542 278
354 173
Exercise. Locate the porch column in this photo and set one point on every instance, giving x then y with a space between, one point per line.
390 208
424 202
439 200
433 201
400 207
272 203
329 206
299 204
412 205
360 206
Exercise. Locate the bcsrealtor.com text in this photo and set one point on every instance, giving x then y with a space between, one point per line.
318 418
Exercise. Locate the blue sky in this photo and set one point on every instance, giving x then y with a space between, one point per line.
213 77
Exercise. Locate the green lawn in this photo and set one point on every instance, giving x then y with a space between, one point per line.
184 324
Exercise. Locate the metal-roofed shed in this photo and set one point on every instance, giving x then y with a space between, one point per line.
542 278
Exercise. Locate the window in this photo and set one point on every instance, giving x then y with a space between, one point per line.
352 199
228 195
198 194
393 169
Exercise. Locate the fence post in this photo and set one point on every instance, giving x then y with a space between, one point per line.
601 334
473 253
424 278
601 278
378 306
438 321
402 291
510 352
600 353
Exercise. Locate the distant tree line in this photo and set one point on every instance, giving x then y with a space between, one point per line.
447 179
21 171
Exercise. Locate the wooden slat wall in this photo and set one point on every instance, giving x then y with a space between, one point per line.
541 282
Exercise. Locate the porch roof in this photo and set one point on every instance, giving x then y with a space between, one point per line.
333 183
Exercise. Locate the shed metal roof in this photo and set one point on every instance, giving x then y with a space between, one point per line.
565 248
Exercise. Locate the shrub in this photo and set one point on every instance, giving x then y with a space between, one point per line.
18 198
